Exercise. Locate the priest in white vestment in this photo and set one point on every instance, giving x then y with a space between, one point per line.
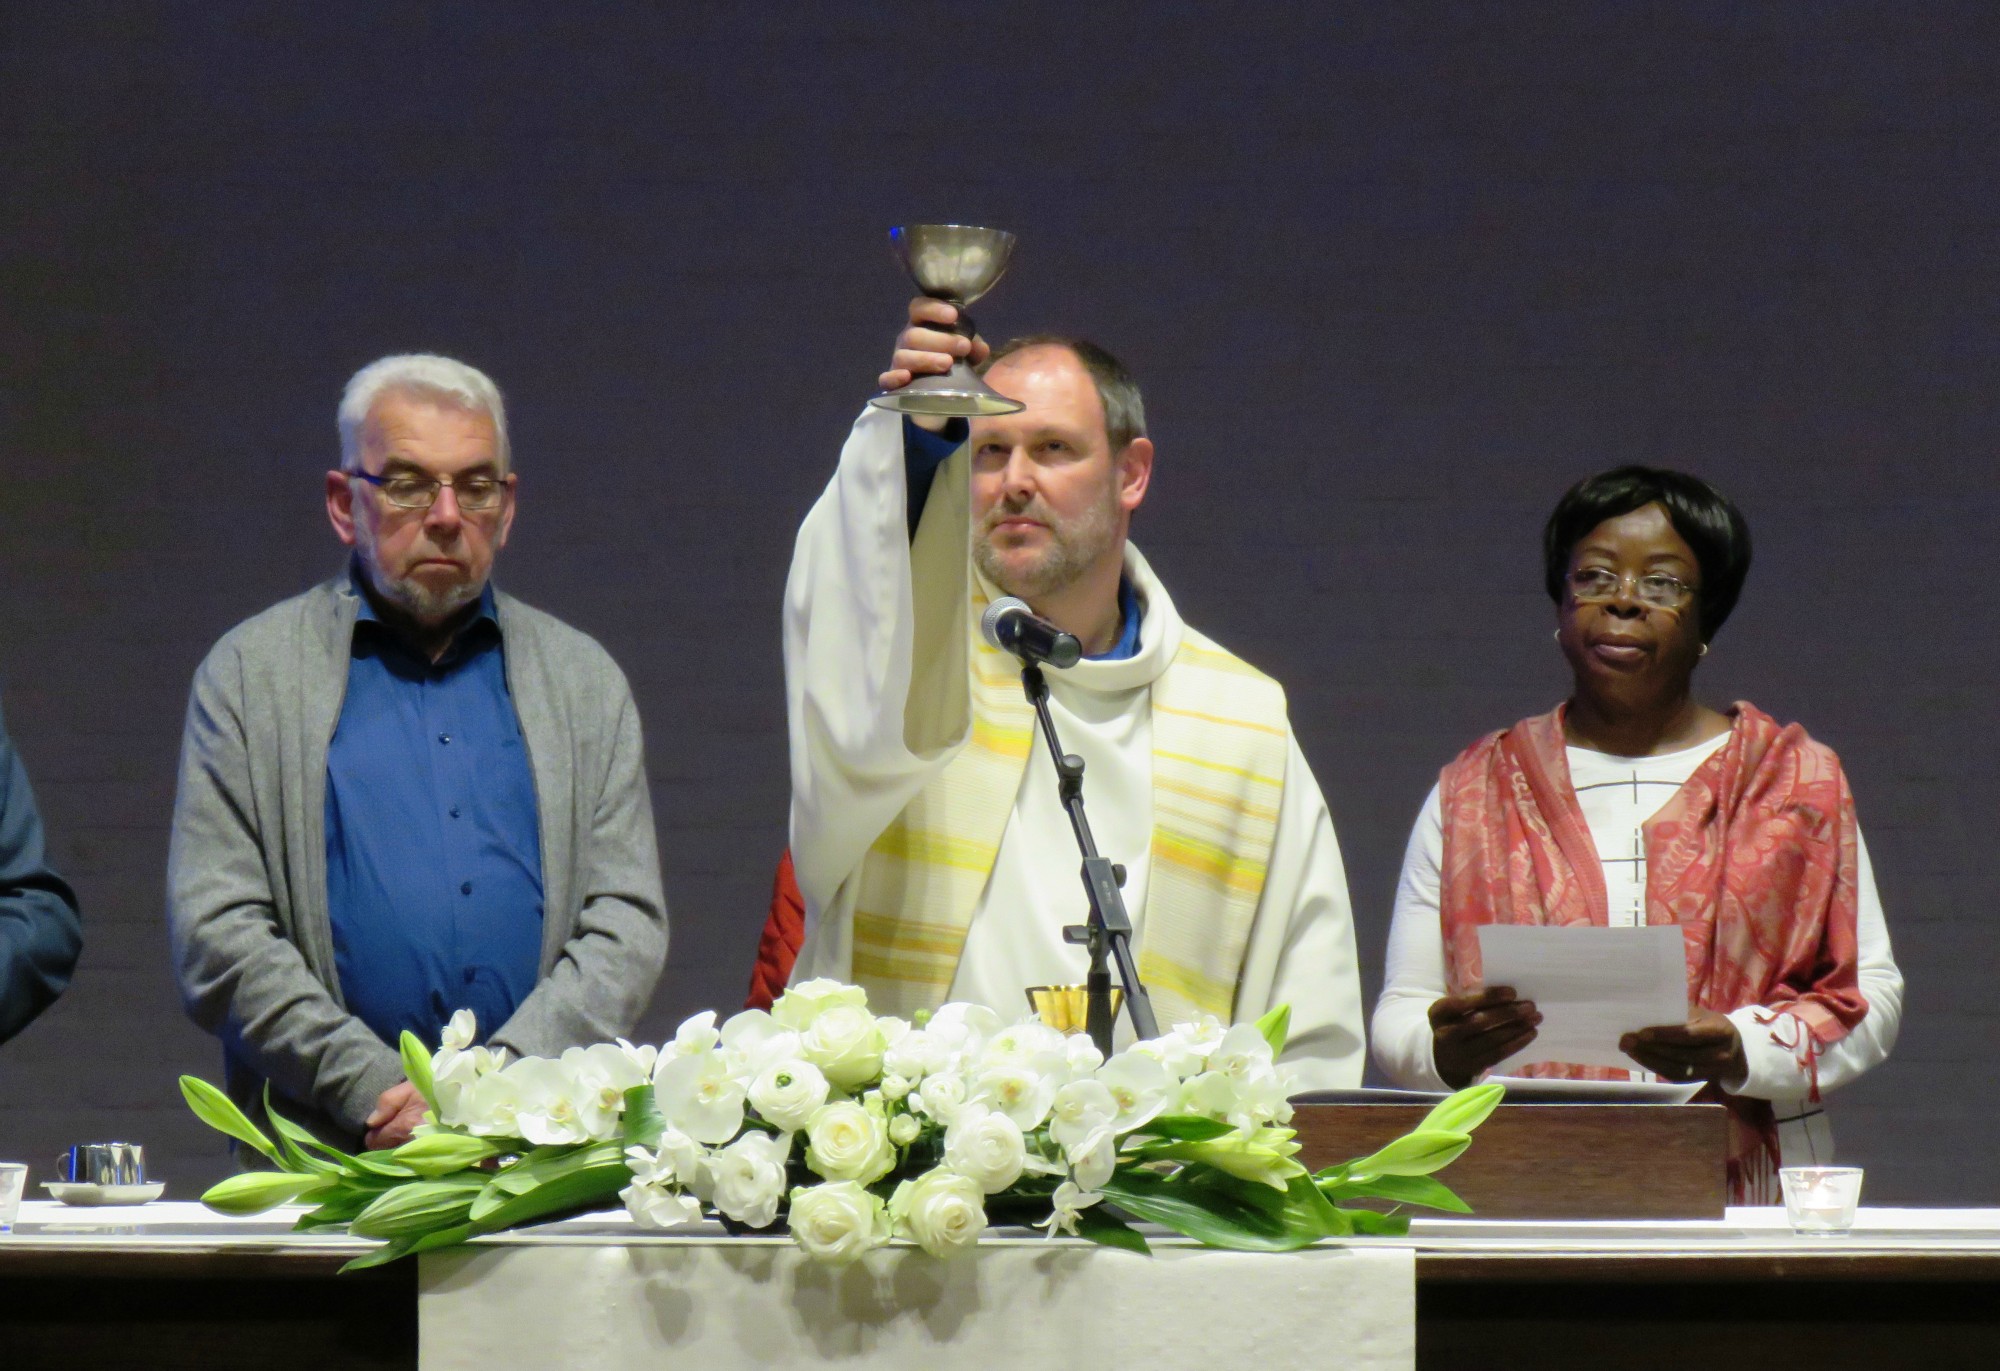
933 853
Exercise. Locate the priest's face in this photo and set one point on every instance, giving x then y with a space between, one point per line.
429 562
1050 501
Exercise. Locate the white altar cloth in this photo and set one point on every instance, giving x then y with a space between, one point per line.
573 1301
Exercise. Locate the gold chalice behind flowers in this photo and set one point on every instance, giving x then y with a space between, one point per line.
1065 1008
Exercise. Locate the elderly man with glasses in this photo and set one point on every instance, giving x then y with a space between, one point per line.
404 793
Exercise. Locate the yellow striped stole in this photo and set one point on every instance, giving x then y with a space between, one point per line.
1219 752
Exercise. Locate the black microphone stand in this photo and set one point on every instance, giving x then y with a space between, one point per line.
1108 935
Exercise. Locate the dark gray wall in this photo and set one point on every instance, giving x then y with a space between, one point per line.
1394 277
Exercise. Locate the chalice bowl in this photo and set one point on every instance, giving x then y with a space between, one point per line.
956 263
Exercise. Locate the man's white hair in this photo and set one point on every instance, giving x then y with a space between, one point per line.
427 376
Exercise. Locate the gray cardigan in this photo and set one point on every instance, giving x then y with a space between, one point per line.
246 871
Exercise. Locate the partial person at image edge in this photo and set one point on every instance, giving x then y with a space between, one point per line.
41 933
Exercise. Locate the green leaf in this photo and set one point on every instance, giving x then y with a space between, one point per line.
1371 1224
1275 1025
255 1191
1464 1111
382 1164
1110 1231
514 1187
1423 1190
435 1154
219 1112
1414 1154
417 1066
1222 1211
1184 1128
645 1125
420 1207
381 1256
293 1142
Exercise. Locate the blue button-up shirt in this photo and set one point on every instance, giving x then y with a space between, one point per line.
433 842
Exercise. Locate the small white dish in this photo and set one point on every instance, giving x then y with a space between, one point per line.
91 1196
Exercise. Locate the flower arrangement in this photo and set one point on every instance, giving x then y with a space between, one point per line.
853 1129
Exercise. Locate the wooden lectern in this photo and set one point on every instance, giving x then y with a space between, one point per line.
1553 1161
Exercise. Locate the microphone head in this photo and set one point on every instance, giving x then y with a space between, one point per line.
989 622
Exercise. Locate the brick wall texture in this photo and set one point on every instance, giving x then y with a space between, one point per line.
1393 275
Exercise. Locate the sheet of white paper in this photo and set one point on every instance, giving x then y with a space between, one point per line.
1592 986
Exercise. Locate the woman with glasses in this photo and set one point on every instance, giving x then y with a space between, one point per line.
1633 803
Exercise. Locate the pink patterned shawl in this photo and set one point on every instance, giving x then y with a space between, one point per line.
1754 857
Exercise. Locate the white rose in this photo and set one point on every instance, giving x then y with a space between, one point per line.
894 1087
1092 1160
847 1143
1080 1108
941 1096
986 1147
914 1055
654 1206
786 1093
844 1043
903 1129
799 1006
747 1178
838 1222
943 1212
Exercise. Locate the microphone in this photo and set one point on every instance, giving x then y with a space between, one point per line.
1011 626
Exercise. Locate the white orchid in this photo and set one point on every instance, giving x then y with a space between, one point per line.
490 1106
654 1206
1017 1090
787 1092
1184 1048
1080 1109
1140 1089
1093 1159
459 1033
753 1040
695 1036
698 1095
546 1112
602 1074
1068 1201
678 1160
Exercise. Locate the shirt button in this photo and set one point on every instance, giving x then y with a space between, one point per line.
454 811
444 738
465 889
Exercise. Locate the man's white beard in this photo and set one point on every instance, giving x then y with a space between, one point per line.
428 607
1073 548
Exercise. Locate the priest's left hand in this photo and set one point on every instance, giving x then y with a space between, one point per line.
1705 1048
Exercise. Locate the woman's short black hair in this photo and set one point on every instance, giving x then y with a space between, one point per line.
1708 522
